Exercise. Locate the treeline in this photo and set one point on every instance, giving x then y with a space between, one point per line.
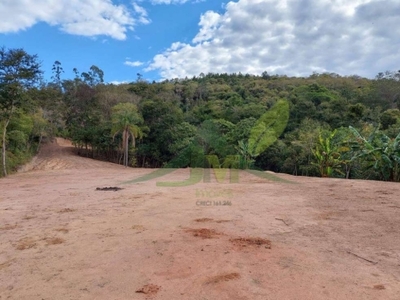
337 126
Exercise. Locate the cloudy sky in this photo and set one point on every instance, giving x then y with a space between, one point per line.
177 38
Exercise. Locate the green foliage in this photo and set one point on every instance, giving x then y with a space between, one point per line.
19 72
126 120
268 128
240 131
327 154
389 117
219 116
315 93
20 129
211 137
296 155
386 91
161 118
379 153
182 135
246 158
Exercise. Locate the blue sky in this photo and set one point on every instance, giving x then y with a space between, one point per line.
177 38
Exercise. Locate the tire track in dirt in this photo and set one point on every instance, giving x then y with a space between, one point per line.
60 154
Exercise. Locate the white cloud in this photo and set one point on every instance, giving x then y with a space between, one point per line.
116 82
169 1
293 37
209 23
155 2
79 17
142 13
133 63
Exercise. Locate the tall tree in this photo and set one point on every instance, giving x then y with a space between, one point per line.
57 70
19 71
126 120
94 77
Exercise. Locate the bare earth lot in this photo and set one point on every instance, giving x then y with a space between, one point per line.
60 238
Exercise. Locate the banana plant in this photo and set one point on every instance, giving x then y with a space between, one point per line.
379 152
327 155
246 158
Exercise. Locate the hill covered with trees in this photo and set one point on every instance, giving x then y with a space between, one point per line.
329 125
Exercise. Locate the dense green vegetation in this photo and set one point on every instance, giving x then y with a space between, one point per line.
19 121
337 126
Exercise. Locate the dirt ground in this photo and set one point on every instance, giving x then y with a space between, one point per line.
63 238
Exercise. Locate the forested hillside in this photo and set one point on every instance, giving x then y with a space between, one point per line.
337 126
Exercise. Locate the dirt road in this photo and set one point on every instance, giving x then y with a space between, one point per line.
61 238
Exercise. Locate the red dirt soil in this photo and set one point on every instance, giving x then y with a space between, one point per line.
315 238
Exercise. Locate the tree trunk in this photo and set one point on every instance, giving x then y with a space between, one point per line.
348 170
3 149
40 143
126 160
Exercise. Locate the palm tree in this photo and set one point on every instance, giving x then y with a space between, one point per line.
126 120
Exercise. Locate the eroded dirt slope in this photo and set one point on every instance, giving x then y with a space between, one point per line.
61 155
